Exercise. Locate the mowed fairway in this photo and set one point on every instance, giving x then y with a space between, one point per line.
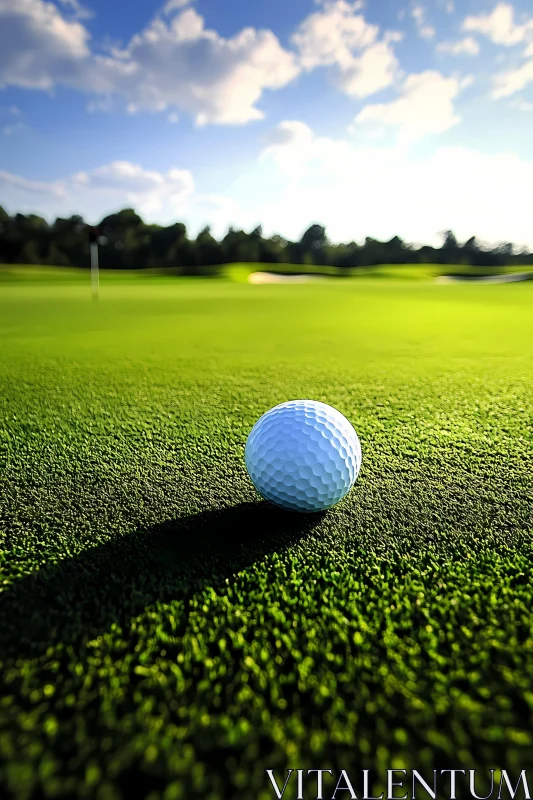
166 634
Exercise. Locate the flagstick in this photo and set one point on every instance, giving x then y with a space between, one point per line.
95 279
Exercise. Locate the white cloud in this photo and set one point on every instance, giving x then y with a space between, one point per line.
467 46
118 182
513 80
419 14
374 70
331 36
55 189
425 106
79 11
287 133
10 111
104 103
465 82
120 175
293 145
294 148
178 63
427 32
162 197
38 46
339 37
219 213
524 105
16 127
382 191
301 178
173 117
175 5
450 7
393 36
181 64
499 26
149 191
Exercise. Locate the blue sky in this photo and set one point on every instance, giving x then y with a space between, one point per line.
374 119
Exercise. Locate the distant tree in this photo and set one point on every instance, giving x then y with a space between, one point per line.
343 255
450 251
238 246
373 252
449 241
314 238
397 251
506 249
207 250
57 258
128 242
427 255
273 250
488 258
313 244
471 251
69 236
121 220
164 245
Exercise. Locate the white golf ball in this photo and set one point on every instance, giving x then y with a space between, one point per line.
303 455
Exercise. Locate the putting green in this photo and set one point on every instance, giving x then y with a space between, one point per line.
164 633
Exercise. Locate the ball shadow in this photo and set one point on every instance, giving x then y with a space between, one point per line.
79 598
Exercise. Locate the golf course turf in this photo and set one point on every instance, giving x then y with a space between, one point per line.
166 634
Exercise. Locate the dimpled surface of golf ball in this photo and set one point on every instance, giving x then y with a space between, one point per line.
303 455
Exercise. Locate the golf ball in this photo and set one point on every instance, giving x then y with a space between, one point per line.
303 455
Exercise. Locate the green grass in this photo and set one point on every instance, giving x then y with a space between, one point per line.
164 633
31 273
239 273
425 272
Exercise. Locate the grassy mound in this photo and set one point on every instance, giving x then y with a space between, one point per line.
166 634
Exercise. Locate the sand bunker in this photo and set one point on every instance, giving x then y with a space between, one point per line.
512 278
270 277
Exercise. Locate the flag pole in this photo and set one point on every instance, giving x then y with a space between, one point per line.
95 276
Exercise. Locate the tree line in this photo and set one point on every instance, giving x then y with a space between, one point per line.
127 242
